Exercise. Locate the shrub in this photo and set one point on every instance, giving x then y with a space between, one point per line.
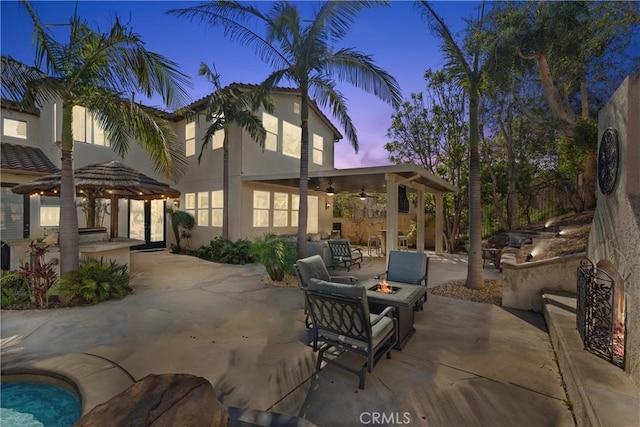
277 254
95 281
15 289
41 276
227 252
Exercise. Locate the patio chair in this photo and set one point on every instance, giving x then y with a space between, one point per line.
313 267
343 255
408 267
340 314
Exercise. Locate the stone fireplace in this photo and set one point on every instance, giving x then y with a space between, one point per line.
614 240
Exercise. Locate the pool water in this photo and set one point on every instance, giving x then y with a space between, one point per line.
32 404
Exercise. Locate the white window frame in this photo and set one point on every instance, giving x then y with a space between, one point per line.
86 128
291 144
217 139
11 128
217 208
190 139
280 209
202 209
317 151
261 210
270 123
190 203
295 205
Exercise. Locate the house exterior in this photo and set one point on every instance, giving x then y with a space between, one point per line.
263 183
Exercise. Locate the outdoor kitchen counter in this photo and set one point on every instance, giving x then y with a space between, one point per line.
403 300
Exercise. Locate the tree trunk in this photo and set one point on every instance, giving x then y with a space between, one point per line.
304 174
589 179
69 247
225 184
475 279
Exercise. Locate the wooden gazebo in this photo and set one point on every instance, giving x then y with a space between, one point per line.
111 180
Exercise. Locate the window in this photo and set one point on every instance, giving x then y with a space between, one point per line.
49 211
190 139
190 203
296 108
202 219
86 128
290 140
217 205
261 202
270 123
295 205
14 128
280 209
217 139
318 144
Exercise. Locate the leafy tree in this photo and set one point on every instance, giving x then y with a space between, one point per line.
465 66
98 71
226 107
303 52
436 139
574 52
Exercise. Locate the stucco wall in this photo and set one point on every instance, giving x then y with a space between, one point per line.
615 232
523 283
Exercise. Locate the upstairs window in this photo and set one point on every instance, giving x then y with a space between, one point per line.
291 140
86 128
296 108
14 128
318 145
270 123
190 139
217 139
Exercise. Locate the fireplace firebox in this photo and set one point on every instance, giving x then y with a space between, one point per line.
600 317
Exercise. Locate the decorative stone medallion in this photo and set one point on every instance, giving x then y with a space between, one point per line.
608 158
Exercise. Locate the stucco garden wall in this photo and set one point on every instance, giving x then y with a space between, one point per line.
523 283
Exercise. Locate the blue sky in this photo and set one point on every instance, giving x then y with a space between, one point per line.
396 36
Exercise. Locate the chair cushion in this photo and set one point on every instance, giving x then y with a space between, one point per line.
339 289
312 267
378 332
406 267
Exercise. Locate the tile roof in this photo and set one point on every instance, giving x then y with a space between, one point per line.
22 159
15 106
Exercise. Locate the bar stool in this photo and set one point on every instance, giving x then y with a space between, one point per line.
403 243
374 242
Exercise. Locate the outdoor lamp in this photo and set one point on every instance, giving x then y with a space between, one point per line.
363 195
330 190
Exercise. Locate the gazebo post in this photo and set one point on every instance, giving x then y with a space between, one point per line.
114 216
91 211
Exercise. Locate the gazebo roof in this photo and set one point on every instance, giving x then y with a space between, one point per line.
103 180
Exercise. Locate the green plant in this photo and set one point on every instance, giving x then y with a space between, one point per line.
95 281
225 251
179 219
41 275
277 255
15 289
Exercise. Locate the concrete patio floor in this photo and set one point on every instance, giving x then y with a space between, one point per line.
467 364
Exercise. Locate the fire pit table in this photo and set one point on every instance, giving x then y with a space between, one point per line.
403 298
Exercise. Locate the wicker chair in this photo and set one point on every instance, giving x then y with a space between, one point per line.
340 315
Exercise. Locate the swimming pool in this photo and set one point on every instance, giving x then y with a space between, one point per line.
29 402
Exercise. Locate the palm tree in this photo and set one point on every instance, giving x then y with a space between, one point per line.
99 71
468 73
226 107
302 52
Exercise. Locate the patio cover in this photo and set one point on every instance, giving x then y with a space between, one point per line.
111 180
378 179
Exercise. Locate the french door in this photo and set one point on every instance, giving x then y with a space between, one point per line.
146 222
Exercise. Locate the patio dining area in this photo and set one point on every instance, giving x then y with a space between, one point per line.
466 364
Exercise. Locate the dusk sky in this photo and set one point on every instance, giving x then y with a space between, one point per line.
396 36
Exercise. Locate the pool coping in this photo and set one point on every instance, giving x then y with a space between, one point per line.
95 378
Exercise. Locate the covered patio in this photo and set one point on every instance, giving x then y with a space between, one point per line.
379 179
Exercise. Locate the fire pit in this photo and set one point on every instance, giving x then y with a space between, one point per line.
384 288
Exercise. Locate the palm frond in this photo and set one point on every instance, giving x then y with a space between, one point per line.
48 50
232 16
360 70
324 92
27 85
